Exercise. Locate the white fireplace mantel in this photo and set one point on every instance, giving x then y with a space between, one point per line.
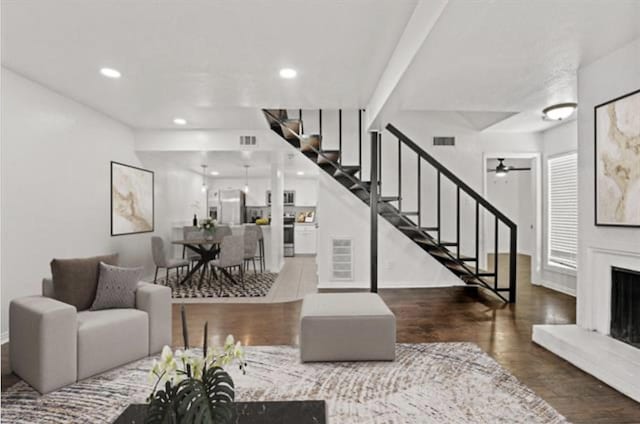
588 345
594 286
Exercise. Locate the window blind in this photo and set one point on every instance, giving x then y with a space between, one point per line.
563 210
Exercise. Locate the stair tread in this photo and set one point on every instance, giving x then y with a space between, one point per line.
447 243
389 198
415 228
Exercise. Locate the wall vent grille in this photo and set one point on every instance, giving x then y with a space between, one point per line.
444 141
247 140
342 259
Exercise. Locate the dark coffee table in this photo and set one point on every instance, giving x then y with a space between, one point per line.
287 412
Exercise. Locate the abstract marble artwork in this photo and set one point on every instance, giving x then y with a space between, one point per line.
131 199
617 154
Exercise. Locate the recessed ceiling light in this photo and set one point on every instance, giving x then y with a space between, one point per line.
215 173
180 121
300 173
560 111
110 73
288 73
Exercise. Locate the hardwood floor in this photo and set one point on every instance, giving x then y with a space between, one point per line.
441 315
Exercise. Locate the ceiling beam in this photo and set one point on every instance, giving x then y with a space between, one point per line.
418 28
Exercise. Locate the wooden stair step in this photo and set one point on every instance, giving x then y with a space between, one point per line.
328 156
416 228
448 243
347 170
310 144
389 198
468 259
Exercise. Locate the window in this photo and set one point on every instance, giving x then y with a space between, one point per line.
562 225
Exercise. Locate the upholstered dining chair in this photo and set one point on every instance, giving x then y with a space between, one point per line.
250 246
161 261
260 255
231 256
220 232
190 255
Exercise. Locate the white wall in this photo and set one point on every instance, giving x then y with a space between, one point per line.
609 77
465 160
56 157
401 262
514 195
558 140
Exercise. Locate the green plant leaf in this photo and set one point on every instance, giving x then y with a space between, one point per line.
161 408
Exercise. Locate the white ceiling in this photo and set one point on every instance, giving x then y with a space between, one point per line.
509 56
202 60
214 63
230 164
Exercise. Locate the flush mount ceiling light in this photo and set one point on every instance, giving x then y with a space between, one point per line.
560 111
300 173
110 72
288 73
215 173
180 121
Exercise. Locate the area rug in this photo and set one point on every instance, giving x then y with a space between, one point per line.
428 383
255 285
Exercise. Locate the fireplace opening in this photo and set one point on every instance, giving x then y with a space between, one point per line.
625 305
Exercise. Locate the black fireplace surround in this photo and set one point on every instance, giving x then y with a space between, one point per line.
625 305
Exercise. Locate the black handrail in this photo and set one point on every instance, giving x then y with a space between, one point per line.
479 201
444 171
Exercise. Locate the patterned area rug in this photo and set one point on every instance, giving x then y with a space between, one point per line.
255 285
428 383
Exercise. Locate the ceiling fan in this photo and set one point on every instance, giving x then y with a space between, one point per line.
501 170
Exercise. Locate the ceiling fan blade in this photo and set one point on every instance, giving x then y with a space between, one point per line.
519 169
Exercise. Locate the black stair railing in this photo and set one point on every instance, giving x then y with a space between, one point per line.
480 202
370 192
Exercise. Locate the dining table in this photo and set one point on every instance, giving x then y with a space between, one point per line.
207 250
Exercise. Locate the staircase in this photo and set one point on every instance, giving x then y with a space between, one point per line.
429 237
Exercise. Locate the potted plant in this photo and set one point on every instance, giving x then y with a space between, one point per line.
193 387
208 225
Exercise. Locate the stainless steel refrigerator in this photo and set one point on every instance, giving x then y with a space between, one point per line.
232 207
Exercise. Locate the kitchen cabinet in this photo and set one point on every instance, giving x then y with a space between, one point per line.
305 239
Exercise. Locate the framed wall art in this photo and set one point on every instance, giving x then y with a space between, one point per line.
131 200
617 161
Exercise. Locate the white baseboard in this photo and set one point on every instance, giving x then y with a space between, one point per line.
4 337
559 288
382 285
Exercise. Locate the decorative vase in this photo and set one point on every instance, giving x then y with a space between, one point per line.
208 234
195 220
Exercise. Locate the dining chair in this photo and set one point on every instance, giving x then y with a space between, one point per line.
220 232
250 246
231 256
194 234
161 261
260 255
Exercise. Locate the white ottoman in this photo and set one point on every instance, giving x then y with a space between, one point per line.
346 327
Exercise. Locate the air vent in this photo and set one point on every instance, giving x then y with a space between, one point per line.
342 259
444 141
247 140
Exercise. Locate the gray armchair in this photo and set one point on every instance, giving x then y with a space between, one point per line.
53 345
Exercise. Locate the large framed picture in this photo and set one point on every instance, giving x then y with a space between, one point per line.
617 162
131 200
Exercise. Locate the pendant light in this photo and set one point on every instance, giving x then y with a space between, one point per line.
246 179
204 178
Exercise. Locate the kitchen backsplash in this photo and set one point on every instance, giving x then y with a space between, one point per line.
254 212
